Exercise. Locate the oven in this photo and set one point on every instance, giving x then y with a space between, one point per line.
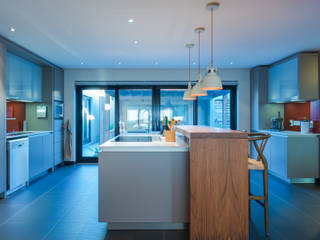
58 110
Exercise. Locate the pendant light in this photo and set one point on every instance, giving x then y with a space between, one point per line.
212 81
197 89
187 93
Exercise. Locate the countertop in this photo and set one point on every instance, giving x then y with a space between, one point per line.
290 133
155 146
26 134
209 132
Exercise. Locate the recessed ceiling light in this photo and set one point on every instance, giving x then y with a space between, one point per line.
135 42
131 20
82 63
231 63
194 63
12 29
119 63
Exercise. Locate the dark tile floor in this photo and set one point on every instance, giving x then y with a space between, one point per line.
63 205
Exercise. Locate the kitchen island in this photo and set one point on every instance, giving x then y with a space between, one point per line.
143 183
200 182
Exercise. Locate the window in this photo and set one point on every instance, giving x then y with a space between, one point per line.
172 105
135 110
214 110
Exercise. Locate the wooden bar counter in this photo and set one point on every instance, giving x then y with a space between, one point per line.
218 183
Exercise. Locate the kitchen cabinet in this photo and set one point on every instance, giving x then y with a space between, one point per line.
58 84
3 159
58 142
261 110
292 155
294 79
2 93
24 79
40 153
3 167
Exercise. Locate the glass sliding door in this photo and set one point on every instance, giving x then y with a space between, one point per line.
172 105
214 110
98 120
135 110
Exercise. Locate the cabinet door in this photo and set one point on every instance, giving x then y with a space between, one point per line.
48 151
58 146
274 84
26 77
289 85
58 84
14 82
36 164
36 83
279 156
3 164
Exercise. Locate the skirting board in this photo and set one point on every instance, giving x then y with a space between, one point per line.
293 180
147 226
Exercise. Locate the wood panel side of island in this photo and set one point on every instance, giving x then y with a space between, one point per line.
218 184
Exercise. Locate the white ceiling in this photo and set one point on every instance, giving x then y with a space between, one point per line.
96 32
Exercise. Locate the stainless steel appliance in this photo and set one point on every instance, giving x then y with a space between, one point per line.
18 164
58 110
277 123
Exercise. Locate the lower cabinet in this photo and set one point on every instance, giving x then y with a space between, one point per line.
293 156
58 146
40 154
3 173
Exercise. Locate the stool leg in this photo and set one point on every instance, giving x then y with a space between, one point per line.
266 202
249 205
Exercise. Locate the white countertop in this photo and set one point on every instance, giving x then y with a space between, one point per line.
26 134
155 146
290 133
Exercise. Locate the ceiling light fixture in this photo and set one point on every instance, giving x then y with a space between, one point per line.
156 62
197 89
187 94
131 20
12 29
135 42
194 63
82 63
119 63
231 63
212 81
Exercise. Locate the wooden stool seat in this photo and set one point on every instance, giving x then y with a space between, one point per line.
255 165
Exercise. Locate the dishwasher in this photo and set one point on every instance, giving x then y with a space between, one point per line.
18 164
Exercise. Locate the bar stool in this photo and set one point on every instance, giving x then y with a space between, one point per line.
259 141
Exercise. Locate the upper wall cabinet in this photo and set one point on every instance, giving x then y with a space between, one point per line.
58 84
294 79
24 79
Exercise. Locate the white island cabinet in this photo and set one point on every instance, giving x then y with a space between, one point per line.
292 156
144 185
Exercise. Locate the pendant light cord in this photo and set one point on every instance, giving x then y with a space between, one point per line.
189 66
211 37
199 53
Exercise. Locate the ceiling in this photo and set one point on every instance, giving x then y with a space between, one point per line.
97 33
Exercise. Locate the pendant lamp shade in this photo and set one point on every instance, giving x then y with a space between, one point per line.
212 81
187 94
197 89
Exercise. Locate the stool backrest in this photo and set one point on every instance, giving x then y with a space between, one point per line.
259 141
